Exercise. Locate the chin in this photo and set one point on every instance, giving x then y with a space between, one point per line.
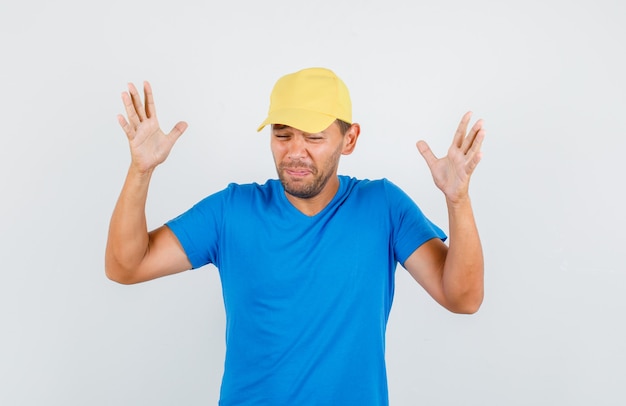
302 193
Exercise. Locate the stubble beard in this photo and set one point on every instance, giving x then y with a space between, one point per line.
301 188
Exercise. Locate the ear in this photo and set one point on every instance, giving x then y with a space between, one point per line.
350 138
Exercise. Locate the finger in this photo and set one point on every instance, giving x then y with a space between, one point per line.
469 140
134 94
149 99
125 126
474 155
476 144
461 130
473 163
426 152
131 113
177 131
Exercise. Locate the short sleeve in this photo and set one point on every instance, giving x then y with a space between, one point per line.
198 229
411 228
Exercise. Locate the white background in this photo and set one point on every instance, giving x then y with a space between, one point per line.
547 76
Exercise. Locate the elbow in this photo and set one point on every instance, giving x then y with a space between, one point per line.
468 305
117 273
466 309
117 277
120 280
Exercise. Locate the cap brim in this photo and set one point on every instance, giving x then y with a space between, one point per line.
303 120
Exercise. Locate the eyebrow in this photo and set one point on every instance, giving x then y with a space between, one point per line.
279 127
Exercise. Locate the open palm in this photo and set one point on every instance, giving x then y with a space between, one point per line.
452 172
149 145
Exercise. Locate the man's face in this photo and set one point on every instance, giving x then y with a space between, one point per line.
306 162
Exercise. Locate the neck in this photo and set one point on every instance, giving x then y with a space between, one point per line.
310 206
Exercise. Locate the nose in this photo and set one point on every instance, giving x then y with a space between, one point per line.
296 148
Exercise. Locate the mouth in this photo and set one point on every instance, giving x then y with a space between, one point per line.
297 172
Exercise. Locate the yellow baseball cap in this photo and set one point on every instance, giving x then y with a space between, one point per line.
309 100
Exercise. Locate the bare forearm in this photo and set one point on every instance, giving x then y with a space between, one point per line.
128 234
463 275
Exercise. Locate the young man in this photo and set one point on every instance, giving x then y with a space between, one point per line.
307 261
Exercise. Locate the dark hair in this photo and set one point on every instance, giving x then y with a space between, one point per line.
343 126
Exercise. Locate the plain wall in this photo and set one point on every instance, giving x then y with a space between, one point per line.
546 76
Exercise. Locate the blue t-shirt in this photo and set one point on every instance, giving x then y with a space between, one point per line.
307 298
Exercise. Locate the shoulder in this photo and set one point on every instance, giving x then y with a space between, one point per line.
252 191
242 190
234 199
373 187
242 197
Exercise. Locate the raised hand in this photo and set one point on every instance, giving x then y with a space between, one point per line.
452 172
149 145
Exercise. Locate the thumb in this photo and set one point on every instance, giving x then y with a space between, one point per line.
177 131
428 155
